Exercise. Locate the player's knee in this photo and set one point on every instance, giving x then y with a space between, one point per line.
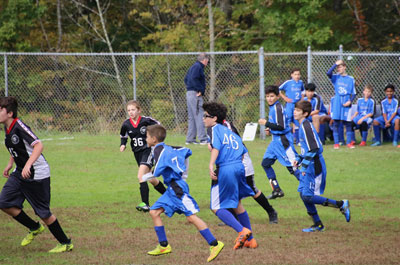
267 162
364 126
305 198
153 213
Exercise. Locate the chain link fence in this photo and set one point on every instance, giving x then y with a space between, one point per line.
87 92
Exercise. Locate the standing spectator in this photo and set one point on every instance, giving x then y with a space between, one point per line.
196 84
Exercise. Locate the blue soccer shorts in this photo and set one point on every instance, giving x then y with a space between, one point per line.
230 188
381 121
177 200
281 148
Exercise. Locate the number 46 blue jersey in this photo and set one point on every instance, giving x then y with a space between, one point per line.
228 143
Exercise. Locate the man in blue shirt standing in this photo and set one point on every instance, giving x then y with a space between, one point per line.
195 82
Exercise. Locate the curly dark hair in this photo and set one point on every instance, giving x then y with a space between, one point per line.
217 110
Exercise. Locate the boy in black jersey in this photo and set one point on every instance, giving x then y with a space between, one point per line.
135 129
29 181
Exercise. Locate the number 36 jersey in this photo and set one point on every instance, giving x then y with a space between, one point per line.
137 132
20 141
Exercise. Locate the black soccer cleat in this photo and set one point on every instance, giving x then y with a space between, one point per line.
276 193
273 217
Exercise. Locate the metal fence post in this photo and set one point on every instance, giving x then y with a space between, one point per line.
134 76
262 91
309 64
340 52
5 76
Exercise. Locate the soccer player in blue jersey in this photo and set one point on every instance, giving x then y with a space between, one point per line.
319 113
345 92
30 179
313 170
135 129
229 185
259 197
340 129
389 118
281 146
292 89
362 118
171 163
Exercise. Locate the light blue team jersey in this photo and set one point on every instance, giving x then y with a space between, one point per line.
309 139
277 115
389 107
344 90
344 85
312 161
293 89
228 143
170 162
365 107
317 104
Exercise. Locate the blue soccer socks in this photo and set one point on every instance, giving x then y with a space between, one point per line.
209 237
227 217
245 221
162 237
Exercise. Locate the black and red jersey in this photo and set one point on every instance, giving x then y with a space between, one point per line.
19 142
137 132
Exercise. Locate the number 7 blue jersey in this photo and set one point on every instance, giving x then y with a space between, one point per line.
170 162
228 143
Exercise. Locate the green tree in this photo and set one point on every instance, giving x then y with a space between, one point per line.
19 25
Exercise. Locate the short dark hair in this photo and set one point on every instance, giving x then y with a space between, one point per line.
272 89
304 105
389 86
157 131
217 110
311 87
10 104
295 70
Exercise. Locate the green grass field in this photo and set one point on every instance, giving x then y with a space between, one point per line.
95 191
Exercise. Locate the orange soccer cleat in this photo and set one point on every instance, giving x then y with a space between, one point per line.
242 237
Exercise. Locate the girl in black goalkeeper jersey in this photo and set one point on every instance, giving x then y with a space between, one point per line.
30 179
135 129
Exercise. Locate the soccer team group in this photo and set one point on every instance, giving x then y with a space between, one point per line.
230 166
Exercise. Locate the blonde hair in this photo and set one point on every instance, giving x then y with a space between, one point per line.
133 103
370 88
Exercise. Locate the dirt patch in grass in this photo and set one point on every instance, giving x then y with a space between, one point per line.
120 235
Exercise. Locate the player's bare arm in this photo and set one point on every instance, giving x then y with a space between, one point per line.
6 171
348 103
214 155
285 98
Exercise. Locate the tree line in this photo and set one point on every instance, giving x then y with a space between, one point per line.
198 25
